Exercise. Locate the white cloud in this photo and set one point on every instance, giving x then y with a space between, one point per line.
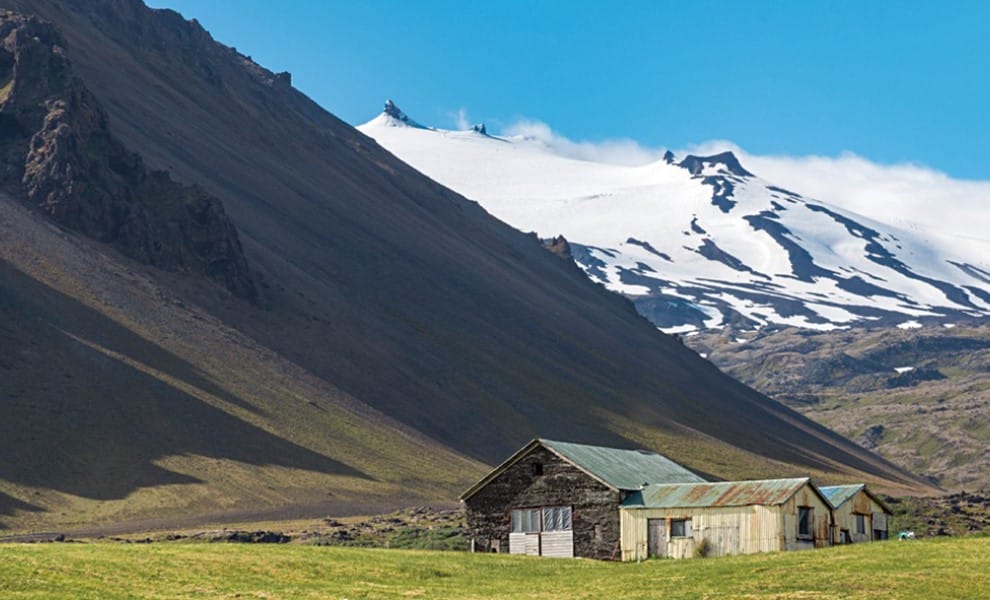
460 119
616 151
906 194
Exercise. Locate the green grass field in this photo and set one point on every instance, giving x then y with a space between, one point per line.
942 568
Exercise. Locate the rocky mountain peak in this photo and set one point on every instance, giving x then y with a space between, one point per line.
559 246
727 160
398 117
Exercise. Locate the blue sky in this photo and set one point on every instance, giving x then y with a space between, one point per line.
892 82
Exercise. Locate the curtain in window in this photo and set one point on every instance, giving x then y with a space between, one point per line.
554 518
557 518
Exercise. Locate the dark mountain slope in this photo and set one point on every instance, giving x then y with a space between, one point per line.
405 297
134 428
122 400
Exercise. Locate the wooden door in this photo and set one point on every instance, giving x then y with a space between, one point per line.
557 543
656 538
532 544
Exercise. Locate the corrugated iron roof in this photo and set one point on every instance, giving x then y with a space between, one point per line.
838 494
622 469
723 493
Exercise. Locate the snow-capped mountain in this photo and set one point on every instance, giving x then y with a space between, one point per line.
700 242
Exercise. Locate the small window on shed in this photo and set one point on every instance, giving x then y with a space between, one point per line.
537 469
680 528
526 520
806 522
861 524
557 518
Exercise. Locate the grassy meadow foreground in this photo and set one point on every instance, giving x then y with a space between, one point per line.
945 568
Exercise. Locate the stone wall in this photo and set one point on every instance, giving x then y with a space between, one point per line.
541 478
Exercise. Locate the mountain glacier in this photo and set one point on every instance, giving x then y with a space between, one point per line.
700 242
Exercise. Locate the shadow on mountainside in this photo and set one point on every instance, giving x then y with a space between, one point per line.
9 504
81 421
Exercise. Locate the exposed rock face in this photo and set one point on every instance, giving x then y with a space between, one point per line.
728 160
59 154
871 437
398 116
559 246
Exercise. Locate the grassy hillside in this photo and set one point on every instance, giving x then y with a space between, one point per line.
931 417
944 568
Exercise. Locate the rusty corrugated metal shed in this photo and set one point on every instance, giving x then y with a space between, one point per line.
724 493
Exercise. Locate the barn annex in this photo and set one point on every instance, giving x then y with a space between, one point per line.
858 516
564 499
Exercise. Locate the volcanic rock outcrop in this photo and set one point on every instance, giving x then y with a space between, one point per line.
59 155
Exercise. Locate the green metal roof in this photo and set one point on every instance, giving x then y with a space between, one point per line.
622 469
838 494
723 493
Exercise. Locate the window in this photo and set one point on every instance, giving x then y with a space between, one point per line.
526 520
680 528
806 522
861 524
537 469
548 518
557 518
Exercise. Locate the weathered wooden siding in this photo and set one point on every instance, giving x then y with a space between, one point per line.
822 520
524 543
595 506
845 517
557 543
729 530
